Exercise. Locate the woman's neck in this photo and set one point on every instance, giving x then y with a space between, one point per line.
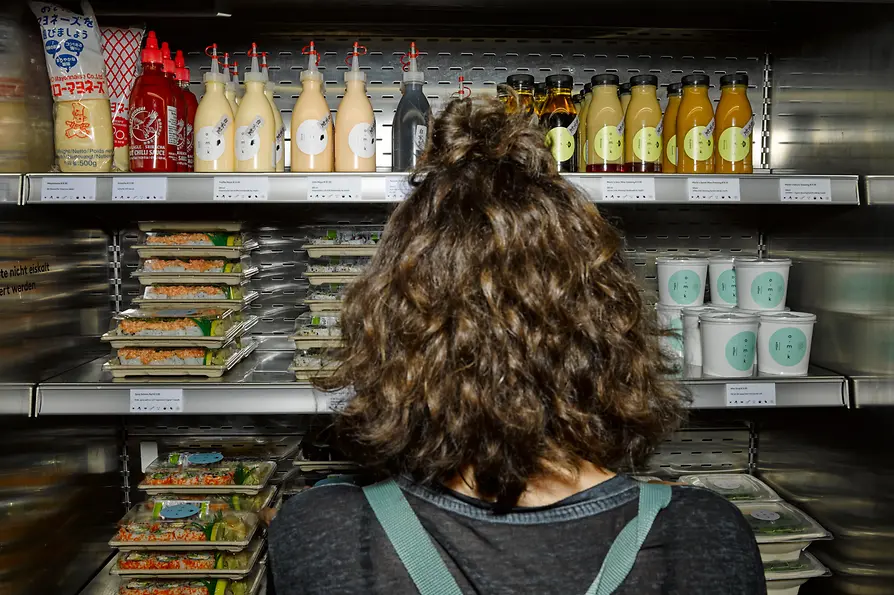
542 490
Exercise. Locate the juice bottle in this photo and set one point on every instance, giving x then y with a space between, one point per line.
669 134
624 92
279 140
176 130
735 123
582 128
642 132
215 128
409 129
355 129
503 93
229 87
560 119
255 124
523 85
312 140
152 113
191 104
540 94
695 127
605 126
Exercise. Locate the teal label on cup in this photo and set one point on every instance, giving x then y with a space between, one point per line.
768 290
788 346
740 351
726 286
684 287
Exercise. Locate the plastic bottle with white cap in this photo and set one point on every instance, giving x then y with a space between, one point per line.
279 139
355 122
215 125
255 123
311 127
409 129
229 86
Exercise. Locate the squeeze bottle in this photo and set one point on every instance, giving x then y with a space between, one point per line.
215 127
153 114
229 87
237 92
279 140
190 103
255 124
312 140
355 130
176 127
409 129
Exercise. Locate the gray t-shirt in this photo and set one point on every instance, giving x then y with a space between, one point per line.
327 541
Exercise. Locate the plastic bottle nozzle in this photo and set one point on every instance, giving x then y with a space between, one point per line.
264 72
313 60
213 75
254 75
236 72
226 66
151 54
355 74
166 56
411 73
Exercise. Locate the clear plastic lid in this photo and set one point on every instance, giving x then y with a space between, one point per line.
696 311
327 293
681 260
192 292
208 469
193 238
775 522
348 237
177 356
185 522
721 259
750 262
219 502
318 325
788 317
155 313
728 317
733 486
159 564
805 567
190 265
339 264
212 586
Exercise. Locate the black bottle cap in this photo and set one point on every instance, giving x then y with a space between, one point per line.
560 81
540 87
520 81
696 80
605 79
675 89
644 79
734 79
624 88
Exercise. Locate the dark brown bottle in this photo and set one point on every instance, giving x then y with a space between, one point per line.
559 117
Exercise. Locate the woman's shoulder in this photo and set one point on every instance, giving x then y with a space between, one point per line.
323 505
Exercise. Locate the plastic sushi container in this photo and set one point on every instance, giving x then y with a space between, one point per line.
219 502
189 327
250 585
206 473
325 298
317 330
313 363
335 269
344 242
781 530
171 564
734 487
205 244
786 578
165 271
204 226
178 361
192 296
184 525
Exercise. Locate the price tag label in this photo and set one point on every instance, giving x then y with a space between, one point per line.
333 401
335 188
241 188
805 190
751 394
628 189
68 189
9 190
140 189
397 188
713 189
156 400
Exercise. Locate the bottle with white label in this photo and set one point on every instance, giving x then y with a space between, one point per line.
255 123
215 126
355 131
312 140
279 139
409 129
229 86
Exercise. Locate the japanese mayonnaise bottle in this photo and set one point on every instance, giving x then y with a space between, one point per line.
215 127
312 140
255 124
279 149
229 86
355 122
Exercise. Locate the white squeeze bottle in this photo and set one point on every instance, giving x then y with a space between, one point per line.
355 123
279 140
215 126
255 124
229 87
312 146
237 91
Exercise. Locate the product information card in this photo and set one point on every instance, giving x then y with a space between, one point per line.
68 189
140 189
242 188
628 189
805 190
713 189
397 188
751 394
156 400
335 188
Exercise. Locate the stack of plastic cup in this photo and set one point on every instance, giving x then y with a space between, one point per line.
692 337
681 281
722 276
729 343
783 343
761 283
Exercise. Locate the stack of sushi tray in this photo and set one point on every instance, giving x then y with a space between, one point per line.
199 531
189 319
335 258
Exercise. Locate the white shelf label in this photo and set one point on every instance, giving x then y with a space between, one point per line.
335 188
9 190
397 188
751 394
156 400
628 189
242 188
713 189
68 189
335 400
805 190
149 188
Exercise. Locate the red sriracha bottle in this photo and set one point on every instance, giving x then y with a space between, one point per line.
191 104
150 105
176 115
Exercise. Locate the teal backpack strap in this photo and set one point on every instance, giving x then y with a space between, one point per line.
622 554
410 540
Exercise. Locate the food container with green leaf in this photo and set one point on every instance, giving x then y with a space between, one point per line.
206 473
250 585
786 578
735 487
176 564
782 531
184 525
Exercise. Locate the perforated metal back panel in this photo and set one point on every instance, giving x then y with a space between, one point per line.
486 62
699 450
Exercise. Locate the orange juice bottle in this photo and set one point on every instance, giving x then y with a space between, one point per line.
695 127
735 123
642 133
669 160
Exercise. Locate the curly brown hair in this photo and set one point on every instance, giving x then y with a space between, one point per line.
498 327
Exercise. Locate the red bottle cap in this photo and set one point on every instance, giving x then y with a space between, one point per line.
166 56
151 54
181 73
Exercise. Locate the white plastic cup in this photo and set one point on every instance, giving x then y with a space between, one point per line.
761 284
670 318
722 277
729 343
681 281
692 337
783 343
